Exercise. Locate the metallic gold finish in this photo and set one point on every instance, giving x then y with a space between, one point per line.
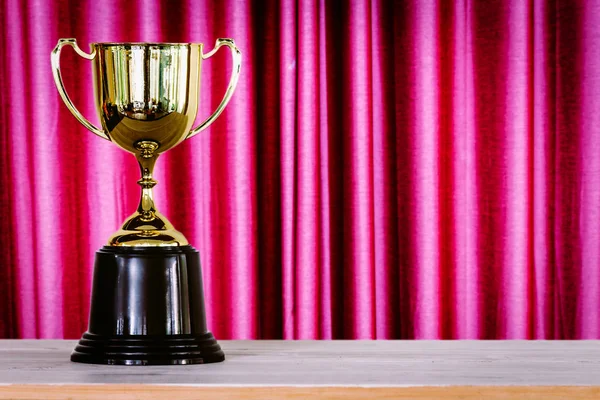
237 64
147 99
55 59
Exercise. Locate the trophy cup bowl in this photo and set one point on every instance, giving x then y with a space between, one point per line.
147 304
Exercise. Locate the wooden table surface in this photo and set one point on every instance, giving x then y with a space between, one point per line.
317 369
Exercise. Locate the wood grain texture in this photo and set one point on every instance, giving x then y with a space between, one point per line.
326 369
128 392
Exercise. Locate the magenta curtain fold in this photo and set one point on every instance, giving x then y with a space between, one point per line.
410 169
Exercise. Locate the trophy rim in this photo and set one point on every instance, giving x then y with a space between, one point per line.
159 44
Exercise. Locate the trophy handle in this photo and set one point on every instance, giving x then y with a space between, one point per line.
235 74
55 59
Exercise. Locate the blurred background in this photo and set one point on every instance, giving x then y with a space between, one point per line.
386 169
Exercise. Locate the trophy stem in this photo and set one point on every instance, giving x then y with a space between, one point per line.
146 226
147 159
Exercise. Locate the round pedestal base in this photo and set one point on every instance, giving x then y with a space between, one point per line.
141 350
147 308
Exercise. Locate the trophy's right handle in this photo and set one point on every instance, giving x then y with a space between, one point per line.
55 59
236 55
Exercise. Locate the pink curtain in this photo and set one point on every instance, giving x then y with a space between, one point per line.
408 169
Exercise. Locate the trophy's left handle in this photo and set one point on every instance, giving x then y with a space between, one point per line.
55 59
236 55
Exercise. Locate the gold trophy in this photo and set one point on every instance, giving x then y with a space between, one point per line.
147 304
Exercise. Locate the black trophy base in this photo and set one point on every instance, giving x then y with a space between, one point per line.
147 308
140 350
